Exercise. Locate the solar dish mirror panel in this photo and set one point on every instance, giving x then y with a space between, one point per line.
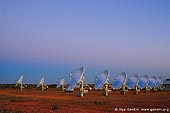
143 82
119 81
60 82
41 82
76 77
159 82
132 81
101 79
20 80
152 82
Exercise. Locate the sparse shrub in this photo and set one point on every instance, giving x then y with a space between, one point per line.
4 110
96 102
18 99
99 103
55 106
7 110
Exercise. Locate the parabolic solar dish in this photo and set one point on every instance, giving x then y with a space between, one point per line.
76 77
101 79
159 82
143 82
119 81
20 80
152 82
132 81
41 82
60 82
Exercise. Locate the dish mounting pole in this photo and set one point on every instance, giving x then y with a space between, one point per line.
106 91
81 88
123 91
62 85
136 90
21 86
42 87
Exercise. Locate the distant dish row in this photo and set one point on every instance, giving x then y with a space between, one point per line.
102 82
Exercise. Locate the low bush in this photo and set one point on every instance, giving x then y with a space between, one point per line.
55 106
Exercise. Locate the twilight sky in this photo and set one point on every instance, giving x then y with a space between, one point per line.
53 38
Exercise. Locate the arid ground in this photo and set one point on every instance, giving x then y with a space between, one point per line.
52 100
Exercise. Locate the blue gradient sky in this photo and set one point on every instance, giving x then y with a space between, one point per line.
52 38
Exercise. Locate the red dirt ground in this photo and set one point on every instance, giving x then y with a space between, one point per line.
54 101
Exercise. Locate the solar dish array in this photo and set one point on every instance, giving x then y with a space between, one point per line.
102 81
